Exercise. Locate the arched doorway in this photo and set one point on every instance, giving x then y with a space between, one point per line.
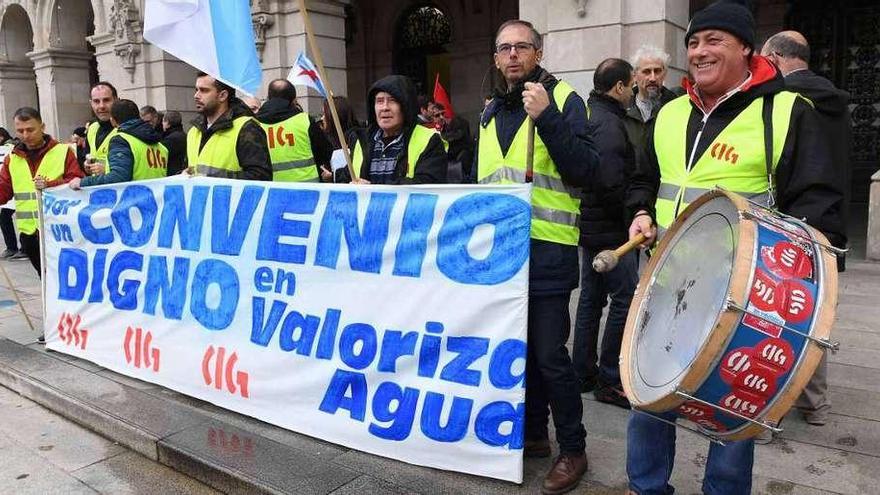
18 84
65 66
421 37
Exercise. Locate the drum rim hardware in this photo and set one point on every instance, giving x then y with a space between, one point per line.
824 343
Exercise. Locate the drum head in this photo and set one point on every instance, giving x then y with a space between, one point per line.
684 299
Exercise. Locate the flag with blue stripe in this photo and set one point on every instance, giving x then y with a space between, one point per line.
215 36
305 73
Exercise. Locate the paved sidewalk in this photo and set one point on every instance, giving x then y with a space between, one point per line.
234 453
41 452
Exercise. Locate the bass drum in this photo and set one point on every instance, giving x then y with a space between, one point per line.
730 318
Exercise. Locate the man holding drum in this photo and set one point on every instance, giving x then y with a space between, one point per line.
734 98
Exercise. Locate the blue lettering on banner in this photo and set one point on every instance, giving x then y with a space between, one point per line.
72 263
364 245
120 265
124 296
511 218
139 198
173 291
401 416
226 237
102 199
220 274
279 203
456 423
188 221
413 241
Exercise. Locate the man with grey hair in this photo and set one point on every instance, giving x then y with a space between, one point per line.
649 63
790 52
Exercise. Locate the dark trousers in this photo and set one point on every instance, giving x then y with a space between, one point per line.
30 245
8 228
550 377
618 285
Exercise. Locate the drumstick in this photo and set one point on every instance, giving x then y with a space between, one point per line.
605 261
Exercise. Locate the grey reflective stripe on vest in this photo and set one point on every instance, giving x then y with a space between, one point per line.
670 192
210 171
280 167
25 215
539 180
555 216
667 191
24 196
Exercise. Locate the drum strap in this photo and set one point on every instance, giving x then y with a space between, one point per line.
767 117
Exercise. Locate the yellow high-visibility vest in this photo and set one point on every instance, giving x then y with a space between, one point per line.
150 160
418 143
99 153
735 160
218 158
290 150
25 194
555 205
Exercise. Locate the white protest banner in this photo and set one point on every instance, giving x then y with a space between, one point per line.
388 319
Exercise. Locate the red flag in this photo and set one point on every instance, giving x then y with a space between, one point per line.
441 97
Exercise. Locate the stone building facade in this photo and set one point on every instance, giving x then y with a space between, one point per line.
51 51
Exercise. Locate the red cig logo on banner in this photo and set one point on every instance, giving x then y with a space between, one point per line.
139 349
69 331
223 371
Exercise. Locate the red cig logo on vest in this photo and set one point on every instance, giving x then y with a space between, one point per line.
70 333
724 152
277 136
139 350
223 371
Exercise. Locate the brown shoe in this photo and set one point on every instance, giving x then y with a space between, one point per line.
537 448
565 474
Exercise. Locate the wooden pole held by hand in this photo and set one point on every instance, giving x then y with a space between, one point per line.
530 150
319 61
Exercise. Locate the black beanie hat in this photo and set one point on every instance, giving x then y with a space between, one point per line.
725 15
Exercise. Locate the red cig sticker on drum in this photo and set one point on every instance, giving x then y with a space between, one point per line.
759 381
743 403
763 294
734 363
787 260
695 411
794 302
774 354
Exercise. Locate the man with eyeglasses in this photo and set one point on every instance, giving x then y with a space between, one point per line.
564 159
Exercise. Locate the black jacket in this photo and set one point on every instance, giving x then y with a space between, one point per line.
251 148
603 219
276 110
174 140
553 267
431 166
636 127
807 184
832 106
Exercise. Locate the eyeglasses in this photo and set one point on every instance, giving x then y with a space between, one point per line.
507 47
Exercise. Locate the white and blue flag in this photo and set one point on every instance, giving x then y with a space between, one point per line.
305 73
215 36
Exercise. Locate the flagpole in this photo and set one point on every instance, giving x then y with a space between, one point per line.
307 23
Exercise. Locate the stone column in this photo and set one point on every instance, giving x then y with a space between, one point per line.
873 248
284 37
580 34
63 85
18 88
141 71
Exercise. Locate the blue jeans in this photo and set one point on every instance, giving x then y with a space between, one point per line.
596 288
650 455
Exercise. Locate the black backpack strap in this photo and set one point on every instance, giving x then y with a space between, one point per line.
767 117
